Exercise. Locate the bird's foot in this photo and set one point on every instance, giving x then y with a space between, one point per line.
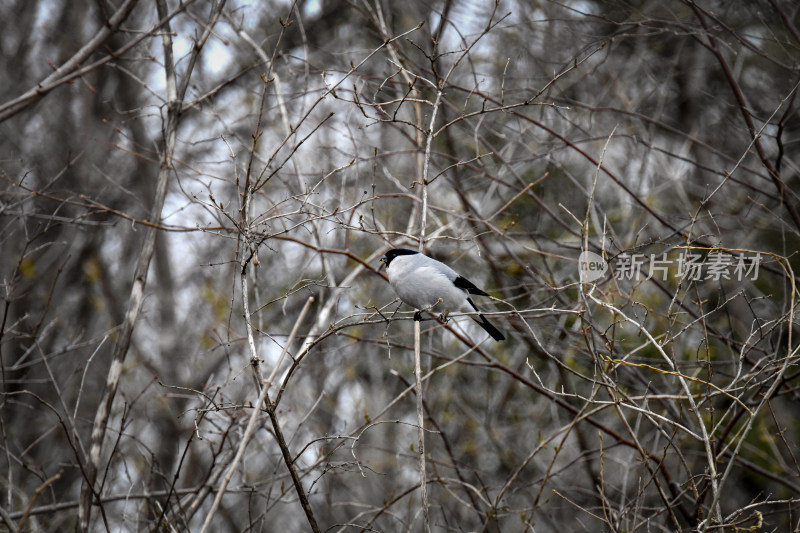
418 316
443 317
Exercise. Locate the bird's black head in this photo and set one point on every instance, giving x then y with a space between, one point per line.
391 254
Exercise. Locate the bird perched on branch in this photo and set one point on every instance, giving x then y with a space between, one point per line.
427 284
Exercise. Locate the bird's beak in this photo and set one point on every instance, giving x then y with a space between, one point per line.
383 264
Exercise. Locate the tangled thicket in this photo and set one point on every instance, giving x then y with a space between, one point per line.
179 180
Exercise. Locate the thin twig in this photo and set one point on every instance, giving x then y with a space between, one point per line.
36 494
423 478
251 423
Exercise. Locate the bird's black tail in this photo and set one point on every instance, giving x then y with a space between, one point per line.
485 324
490 329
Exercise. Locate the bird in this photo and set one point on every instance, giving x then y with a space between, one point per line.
427 284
